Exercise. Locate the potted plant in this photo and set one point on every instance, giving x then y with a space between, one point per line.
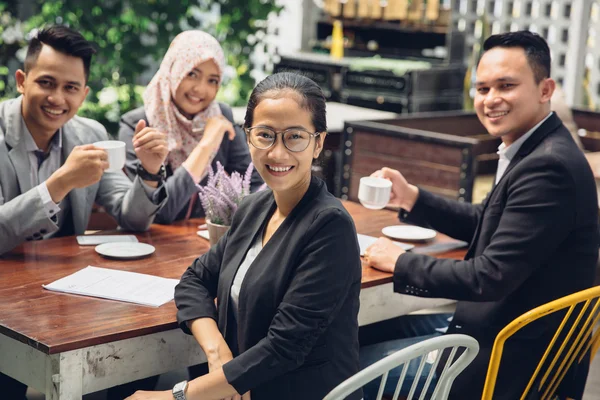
220 198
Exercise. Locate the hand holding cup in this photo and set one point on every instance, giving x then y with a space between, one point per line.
403 194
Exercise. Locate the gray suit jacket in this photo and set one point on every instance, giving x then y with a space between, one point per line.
22 215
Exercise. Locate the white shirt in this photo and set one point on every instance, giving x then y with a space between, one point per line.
507 153
251 255
39 173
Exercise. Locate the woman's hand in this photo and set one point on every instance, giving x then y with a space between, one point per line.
143 395
150 147
214 131
216 360
245 396
217 350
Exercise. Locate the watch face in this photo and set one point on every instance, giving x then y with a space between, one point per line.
180 387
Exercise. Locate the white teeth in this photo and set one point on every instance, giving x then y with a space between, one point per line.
193 98
51 111
497 114
279 169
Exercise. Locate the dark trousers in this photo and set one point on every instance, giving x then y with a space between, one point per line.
11 389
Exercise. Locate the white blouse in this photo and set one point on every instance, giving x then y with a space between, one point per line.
251 255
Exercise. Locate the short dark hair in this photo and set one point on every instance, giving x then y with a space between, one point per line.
535 47
310 94
63 39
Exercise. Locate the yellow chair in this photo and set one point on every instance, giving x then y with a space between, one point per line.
584 311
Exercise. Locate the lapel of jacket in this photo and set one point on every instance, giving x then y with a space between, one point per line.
81 205
248 234
286 225
18 153
550 125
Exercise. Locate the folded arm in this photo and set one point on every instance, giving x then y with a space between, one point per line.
328 268
538 215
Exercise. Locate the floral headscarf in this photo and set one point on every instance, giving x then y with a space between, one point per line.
186 51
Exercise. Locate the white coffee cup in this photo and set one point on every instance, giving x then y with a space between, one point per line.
116 154
374 193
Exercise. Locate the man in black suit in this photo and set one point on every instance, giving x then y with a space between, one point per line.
535 237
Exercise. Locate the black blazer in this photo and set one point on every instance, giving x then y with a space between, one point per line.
233 155
533 240
297 327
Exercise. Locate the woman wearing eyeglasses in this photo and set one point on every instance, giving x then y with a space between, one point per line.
287 274
180 101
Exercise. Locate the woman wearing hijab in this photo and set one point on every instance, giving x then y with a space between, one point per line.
180 102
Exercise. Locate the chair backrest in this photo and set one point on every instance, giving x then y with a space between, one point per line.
573 338
403 358
442 163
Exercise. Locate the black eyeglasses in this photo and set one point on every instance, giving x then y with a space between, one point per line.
294 139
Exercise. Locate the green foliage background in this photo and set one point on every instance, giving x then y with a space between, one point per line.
131 38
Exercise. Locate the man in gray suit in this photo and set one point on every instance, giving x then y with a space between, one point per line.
50 173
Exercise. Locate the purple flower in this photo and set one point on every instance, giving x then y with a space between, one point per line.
222 194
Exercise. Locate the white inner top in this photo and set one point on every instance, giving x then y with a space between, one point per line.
251 255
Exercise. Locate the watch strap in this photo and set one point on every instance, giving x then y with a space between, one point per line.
147 176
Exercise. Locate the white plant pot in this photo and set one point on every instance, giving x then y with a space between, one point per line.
215 231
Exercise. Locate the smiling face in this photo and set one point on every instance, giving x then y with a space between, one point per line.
198 89
282 170
53 90
508 101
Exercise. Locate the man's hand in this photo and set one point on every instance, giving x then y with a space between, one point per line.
404 195
150 147
383 255
214 131
143 395
84 167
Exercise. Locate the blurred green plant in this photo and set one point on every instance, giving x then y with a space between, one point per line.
131 38
12 40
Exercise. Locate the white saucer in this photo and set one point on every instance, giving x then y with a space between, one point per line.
203 234
125 250
408 232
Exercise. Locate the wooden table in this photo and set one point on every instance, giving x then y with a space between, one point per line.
66 345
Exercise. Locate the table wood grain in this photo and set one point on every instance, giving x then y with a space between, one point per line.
55 322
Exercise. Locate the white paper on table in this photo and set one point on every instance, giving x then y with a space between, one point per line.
131 287
365 241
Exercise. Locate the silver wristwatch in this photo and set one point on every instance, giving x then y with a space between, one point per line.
179 390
